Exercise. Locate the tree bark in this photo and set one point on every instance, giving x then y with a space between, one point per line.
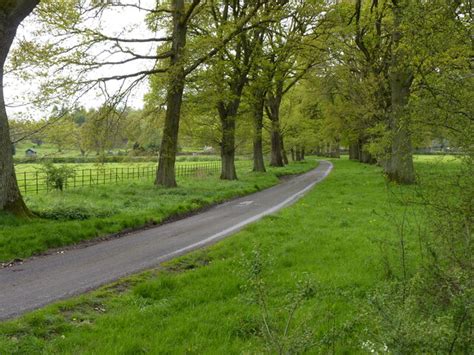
276 156
258 107
11 15
366 157
228 115
303 152
292 150
336 150
400 166
228 171
283 151
273 111
319 152
354 151
165 174
298 154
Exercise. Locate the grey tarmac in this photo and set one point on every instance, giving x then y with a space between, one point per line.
42 280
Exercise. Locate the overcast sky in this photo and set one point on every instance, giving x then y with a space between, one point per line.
17 93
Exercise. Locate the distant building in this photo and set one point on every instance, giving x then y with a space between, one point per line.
31 153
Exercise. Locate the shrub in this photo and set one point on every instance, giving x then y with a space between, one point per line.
71 213
56 176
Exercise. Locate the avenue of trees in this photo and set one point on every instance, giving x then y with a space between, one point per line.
289 77
280 79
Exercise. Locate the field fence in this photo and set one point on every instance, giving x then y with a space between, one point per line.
35 182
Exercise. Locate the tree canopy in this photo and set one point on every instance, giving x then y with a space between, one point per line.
379 78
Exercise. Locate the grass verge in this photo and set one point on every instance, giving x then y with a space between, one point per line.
305 274
83 214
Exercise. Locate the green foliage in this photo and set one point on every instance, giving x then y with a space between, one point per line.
279 332
405 319
57 176
354 93
427 306
71 213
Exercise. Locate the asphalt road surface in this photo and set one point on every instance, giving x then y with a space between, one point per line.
43 280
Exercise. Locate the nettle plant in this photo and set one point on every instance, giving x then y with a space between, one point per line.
57 176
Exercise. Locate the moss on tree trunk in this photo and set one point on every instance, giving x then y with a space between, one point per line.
11 15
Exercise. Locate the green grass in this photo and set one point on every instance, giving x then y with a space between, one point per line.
32 177
201 303
86 213
48 151
33 167
45 150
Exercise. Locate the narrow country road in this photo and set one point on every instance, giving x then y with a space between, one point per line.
43 280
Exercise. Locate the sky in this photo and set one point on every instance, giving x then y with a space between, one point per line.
19 93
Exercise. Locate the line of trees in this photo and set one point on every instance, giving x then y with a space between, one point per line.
92 131
376 76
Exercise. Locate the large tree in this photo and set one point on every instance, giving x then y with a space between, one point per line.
287 47
230 71
12 13
83 47
256 94
165 174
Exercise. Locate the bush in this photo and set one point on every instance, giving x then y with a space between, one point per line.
429 308
56 176
72 213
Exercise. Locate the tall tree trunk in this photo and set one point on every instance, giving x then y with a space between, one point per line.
228 115
319 150
228 171
327 151
165 174
273 111
258 107
11 15
298 154
303 151
366 157
354 150
292 150
400 166
336 150
284 156
10 196
276 156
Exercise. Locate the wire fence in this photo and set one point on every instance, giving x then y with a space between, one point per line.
35 182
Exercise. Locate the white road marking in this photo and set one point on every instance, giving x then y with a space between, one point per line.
245 203
238 226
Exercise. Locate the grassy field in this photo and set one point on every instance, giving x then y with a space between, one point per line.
33 167
319 260
44 150
32 178
85 213
50 152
